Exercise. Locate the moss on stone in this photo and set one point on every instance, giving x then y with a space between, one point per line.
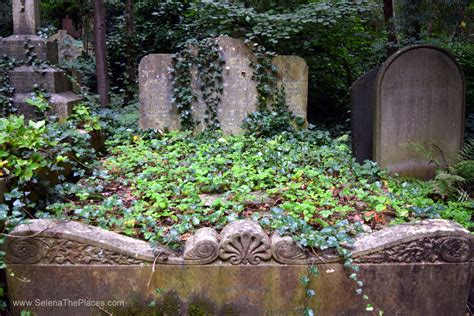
201 307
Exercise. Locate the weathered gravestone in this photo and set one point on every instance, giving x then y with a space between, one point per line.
68 47
26 77
239 90
410 112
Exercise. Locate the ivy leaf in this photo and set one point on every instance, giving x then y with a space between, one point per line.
304 280
36 125
308 312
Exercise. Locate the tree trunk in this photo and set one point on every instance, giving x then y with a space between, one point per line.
101 52
413 15
129 52
389 17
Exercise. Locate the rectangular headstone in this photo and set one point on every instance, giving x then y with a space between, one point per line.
239 95
26 16
293 73
362 101
156 89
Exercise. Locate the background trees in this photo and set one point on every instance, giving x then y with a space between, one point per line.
340 40
101 52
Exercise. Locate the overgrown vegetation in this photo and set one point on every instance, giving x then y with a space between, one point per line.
40 158
162 187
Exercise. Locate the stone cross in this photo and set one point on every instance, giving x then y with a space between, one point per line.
26 17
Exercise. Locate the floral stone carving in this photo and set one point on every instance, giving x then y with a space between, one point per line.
244 242
62 251
429 249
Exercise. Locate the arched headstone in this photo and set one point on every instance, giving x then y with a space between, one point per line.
418 105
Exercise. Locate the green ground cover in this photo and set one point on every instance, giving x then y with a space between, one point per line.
162 187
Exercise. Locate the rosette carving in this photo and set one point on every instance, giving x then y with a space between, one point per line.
455 249
202 248
244 242
25 250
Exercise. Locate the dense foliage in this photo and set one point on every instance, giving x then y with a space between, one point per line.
38 156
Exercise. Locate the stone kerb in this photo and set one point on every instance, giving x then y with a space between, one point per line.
239 95
421 268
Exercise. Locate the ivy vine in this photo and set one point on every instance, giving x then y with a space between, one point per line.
206 57
264 74
183 94
210 65
6 89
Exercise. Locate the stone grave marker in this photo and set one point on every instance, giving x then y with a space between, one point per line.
417 100
239 94
68 47
362 98
24 78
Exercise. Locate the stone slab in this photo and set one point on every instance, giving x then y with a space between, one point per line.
14 46
239 96
25 78
75 264
63 103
